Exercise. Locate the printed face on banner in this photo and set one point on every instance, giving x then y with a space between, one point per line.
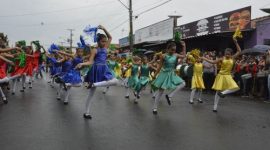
202 27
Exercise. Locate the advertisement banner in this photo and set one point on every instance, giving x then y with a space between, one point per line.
227 22
159 31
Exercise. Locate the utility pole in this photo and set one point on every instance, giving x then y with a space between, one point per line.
130 26
70 40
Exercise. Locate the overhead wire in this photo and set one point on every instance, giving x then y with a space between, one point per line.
53 11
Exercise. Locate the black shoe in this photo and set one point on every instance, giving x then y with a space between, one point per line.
155 112
127 97
5 101
21 90
8 88
215 111
58 98
91 85
135 102
138 96
24 88
30 87
168 99
65 103
87 116
221 95
12 93
200 101
191 102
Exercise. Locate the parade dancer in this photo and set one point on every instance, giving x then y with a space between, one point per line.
99 75
126 74
55 66
72 78
197 83
167 78
224 83
133 80
145 73
3 75
20 65
114 68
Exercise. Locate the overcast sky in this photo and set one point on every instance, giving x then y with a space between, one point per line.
47 20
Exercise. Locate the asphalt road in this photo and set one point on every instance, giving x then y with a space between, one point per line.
35 120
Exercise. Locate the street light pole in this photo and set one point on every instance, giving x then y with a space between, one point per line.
70 40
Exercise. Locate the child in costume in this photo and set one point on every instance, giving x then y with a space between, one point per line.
20 65
167 78
3 71
145 74
114 68
133 80
72 78
224 83
197 83
99 75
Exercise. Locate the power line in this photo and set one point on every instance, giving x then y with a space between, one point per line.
147 10
148 5
53 11
116 27
123 4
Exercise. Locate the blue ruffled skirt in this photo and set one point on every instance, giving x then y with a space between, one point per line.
56 70
72 77
98 73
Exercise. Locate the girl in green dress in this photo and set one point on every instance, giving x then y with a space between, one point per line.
167 78
112 64
145 73
133 80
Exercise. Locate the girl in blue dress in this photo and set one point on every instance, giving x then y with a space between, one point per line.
99 75
72 76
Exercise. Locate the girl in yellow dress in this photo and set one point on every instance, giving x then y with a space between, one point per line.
224 83
197 81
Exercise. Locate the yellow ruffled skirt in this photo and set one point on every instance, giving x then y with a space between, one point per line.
197 82
224 82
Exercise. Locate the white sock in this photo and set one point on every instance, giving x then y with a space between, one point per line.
179 87
2 93
67 94
4 80
112 82
14 82
199 94
23 81
216 101
229 91
89 99
59 91
127 91
157 98
192 95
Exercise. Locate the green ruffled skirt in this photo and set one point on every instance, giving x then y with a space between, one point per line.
167 80
144 81
134 83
